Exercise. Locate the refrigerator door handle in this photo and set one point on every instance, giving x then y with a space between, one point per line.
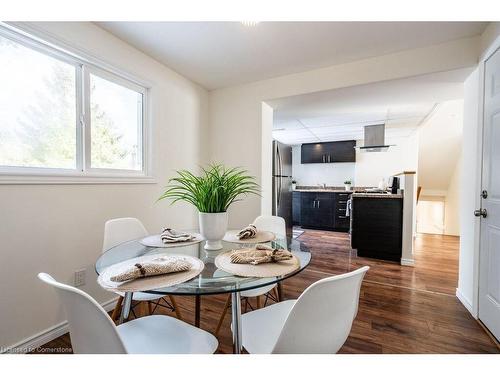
278 195
280 163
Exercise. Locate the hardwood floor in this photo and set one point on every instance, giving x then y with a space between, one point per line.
401 310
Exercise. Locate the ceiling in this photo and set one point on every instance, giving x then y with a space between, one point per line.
335 115
220 54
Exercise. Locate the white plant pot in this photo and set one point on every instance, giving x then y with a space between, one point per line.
347 187
213 227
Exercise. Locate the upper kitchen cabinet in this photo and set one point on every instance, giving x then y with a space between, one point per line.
328 152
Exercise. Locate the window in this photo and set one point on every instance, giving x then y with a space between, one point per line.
63 116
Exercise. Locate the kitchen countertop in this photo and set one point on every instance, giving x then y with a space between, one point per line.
356 192
329 189
324 190
375 195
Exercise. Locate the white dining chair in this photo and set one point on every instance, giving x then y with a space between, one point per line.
93 332
117 231
276 225
319 321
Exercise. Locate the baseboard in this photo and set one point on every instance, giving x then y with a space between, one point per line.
47 335
465 302
407 262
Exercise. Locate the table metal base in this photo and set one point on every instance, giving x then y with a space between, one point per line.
127 304
236 321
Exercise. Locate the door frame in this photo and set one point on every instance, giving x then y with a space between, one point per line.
494 47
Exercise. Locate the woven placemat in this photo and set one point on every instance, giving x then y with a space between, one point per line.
223 262
152 282
261 237
155 241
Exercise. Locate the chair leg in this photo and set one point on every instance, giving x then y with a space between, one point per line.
150 308
277 292
258 302
176 309
223 315
118 308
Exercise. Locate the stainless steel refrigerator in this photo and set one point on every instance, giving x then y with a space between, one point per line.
282 183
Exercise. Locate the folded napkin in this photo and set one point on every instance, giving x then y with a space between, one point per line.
159 266
169 235
260 254
249 232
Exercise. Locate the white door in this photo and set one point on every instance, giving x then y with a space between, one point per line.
489 254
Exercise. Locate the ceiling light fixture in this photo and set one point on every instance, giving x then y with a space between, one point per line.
250 23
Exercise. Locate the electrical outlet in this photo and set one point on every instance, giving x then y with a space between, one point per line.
80 277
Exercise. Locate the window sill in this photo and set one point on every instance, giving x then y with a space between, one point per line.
73 180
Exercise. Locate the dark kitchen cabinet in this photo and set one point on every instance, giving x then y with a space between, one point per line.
328 152
317 210
377 227
341 220
296 208
312 153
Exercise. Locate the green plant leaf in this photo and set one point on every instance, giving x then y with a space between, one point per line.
214 190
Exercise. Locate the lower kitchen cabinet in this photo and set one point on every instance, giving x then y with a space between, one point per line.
377 227
317 210
296 207
342 221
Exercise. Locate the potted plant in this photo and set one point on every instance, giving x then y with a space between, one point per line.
211 193
347 184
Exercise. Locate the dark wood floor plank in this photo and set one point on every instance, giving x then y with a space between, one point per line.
401 309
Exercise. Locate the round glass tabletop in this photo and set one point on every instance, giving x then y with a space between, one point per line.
211 280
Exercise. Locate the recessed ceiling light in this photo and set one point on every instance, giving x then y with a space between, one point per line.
250 23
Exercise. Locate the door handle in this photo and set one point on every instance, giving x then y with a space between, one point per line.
481 212
323 158
318 203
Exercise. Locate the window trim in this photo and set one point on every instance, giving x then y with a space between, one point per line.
84 64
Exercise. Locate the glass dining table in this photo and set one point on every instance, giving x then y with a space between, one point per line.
211 280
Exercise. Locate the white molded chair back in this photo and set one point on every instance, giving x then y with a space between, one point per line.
90 327
117 231
275 224
321 319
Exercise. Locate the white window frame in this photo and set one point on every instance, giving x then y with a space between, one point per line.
84 66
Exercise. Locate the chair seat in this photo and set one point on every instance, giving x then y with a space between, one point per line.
160 334
257 292
260 329
140 296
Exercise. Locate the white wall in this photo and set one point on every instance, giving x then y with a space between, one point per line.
440 144
471 184
332 174
372 167
235 112
452 202
368 170
59 228
267 159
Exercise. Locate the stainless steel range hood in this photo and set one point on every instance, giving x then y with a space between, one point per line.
374 139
